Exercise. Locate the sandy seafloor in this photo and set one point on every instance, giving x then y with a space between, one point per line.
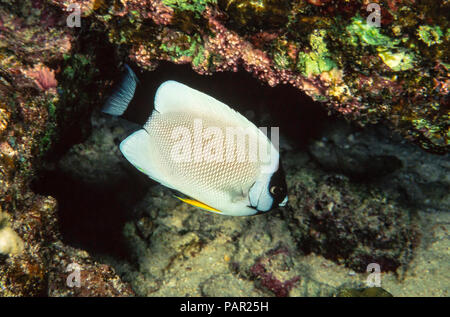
173 249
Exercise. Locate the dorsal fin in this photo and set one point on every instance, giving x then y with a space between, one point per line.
173 96
118 102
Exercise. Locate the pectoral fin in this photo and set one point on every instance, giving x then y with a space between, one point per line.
238 195
198 204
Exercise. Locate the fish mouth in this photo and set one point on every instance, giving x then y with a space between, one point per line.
258 212
284 202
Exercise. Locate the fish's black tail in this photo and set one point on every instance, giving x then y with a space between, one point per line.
118 102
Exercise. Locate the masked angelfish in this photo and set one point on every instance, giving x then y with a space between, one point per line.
191 144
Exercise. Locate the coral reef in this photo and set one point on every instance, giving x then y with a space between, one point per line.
268 266
41 87
10 242
396 73
96 279
53 76
321 246
351 228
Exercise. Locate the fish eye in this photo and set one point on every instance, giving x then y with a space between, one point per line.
275 190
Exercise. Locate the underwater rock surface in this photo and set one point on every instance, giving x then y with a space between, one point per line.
320 246
52 77
422 178
43 99
396 72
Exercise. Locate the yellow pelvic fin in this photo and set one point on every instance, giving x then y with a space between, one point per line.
198 204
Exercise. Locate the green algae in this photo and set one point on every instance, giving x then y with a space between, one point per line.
363 34
318 60
308 40
399 60
430 35
281 56
195 6
281 60
47 139
78 72
314 64
50 133
186 46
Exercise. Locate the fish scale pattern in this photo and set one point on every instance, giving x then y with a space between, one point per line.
213 178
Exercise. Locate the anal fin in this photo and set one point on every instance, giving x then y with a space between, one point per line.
198 204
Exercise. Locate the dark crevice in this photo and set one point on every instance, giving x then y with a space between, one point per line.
92 216
300 118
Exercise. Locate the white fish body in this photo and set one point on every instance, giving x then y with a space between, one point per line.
183 146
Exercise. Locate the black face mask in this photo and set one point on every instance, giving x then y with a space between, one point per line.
277 186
